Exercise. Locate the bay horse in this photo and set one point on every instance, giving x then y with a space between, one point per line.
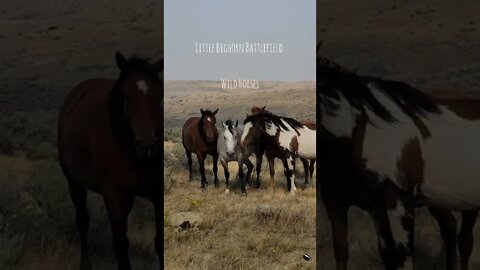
199 135
385 147
261 140
108 142
228 147
286 139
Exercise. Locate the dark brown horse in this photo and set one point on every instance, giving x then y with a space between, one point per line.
199 136
108 143
262 143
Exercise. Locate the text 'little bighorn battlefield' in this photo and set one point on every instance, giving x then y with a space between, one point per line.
244 47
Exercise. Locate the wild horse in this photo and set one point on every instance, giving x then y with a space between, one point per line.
387 147
199 135
261 143
108 142
285 138
228 147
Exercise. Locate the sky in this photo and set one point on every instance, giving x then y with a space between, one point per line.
289 22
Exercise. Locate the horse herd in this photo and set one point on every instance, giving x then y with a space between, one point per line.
261 133
380 145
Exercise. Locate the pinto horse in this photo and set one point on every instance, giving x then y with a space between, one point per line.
199 135
108 143
386 147
285 138
228 147
261 141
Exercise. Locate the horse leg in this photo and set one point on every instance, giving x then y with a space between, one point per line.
338 216
271 166
189 158
258 167
249 165
289 170
241 175
448 229
312 168
305 168
386 243
215 171
291 167
78 195
465 237
226 172
118 207
401 218
158 206
201 164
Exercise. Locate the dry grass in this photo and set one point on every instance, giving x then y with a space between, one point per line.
264 230
37 228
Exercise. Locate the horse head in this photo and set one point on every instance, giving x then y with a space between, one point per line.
208 122
138 95
230 136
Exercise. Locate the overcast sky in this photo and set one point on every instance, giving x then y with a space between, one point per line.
290 22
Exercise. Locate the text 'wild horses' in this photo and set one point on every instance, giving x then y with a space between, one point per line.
108 143
386 147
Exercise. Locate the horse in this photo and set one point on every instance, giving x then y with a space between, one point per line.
383 146
285 138
308 168
108 143
228 147
199 135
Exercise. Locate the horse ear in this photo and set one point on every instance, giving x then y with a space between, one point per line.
158 66
236 124
223 125
215 112
263 109
202 111
121 61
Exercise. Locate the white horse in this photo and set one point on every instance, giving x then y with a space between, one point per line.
228 147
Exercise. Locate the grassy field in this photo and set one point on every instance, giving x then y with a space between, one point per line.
266 229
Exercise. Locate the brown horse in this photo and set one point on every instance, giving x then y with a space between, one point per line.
199 135
271 153
108 143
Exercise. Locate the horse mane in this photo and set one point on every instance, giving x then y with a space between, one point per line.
270 118
333 78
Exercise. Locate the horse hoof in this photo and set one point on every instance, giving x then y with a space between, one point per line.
227 191
244 194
